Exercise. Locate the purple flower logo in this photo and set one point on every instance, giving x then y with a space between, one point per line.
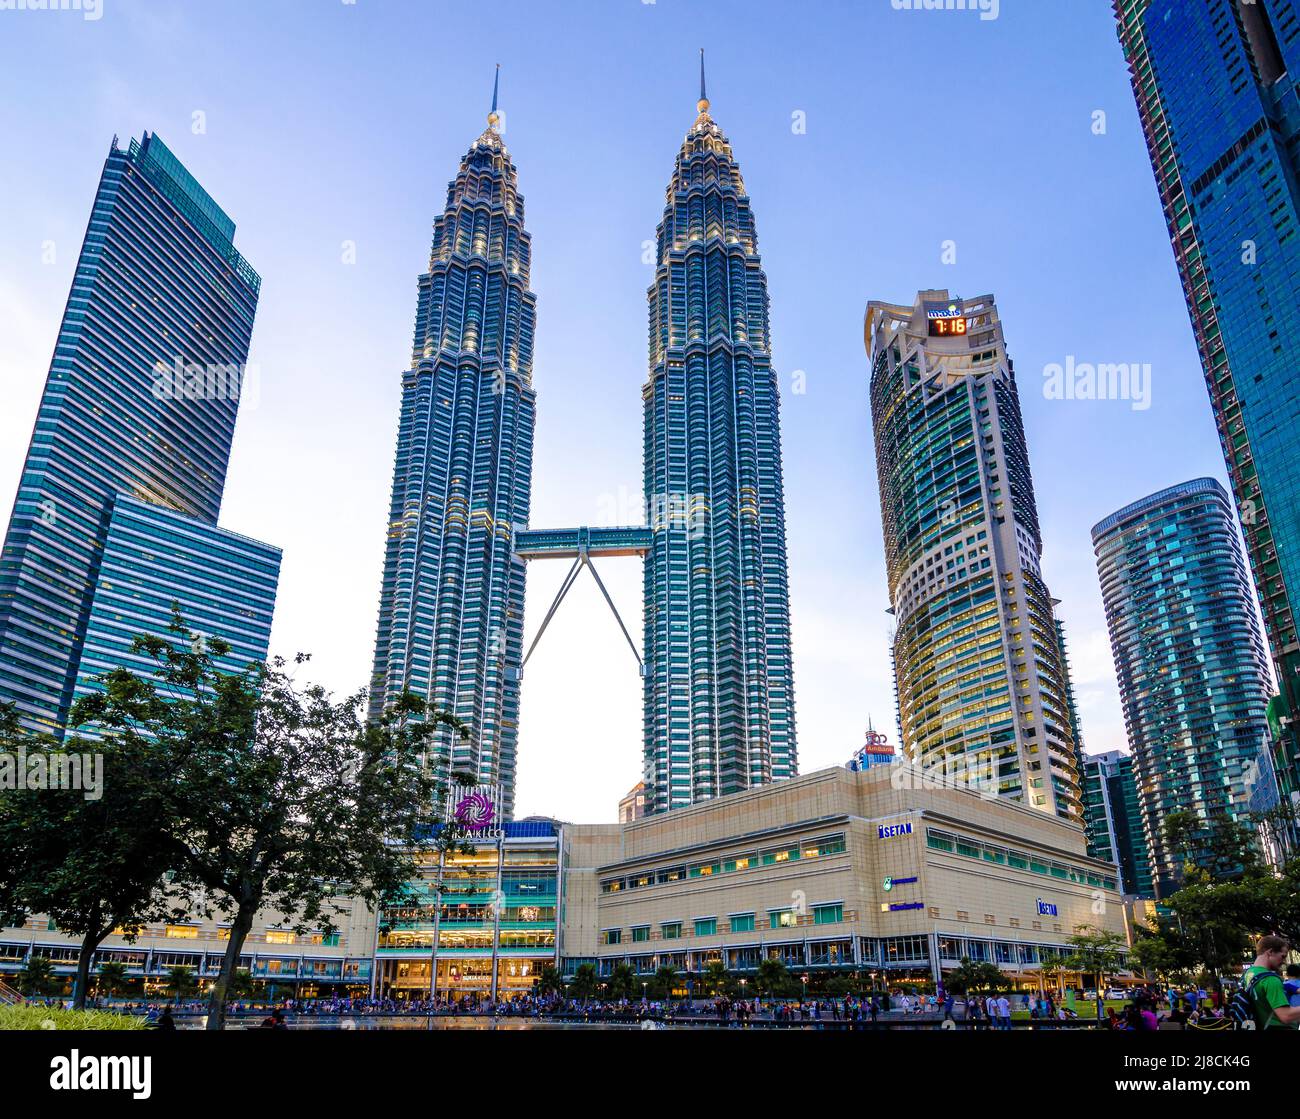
475 812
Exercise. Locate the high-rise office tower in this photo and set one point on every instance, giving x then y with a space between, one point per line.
1215 88
1189 658
452 603
978 665
1112 819
156 560
719 692
139 405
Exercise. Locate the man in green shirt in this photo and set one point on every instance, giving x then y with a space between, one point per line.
1269 995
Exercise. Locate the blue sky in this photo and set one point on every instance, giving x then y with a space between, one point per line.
325 122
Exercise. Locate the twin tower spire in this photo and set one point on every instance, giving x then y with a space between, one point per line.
493 117
716 672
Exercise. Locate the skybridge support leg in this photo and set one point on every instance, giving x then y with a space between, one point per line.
564 589
614 609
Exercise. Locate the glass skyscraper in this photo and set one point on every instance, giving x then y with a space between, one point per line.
719 693
140 401
979 668
156 559
1189 658
1215 82
452 602
1112 819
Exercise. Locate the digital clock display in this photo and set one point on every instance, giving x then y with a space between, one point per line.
945 326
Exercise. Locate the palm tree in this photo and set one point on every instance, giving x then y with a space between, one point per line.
664 982
180 982
548 980
584 982
37 976
110 978
716 979
241 984
773 977
622 982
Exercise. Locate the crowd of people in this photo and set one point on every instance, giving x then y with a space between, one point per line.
1267 996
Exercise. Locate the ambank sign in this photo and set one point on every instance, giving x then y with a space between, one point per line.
892 831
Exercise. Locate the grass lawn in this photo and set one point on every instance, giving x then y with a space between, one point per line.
37 1017
1086 1010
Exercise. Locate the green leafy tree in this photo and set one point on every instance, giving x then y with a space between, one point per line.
282 796
970 977
1097 951
1163 953
1218 850
91 859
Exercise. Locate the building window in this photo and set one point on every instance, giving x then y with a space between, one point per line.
672 930
828 914
742 922
184 932
706 926
640 933
612 936
781 918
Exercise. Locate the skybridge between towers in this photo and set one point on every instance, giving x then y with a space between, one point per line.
582 545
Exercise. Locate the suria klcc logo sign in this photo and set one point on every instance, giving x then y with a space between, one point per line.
475 812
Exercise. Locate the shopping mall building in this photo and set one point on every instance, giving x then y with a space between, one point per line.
873 872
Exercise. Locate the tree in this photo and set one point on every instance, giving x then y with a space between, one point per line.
773 977
92 859
715 979
548 980
584 982
622 981
282 796
1162 953
1098 951
111 977
1217 850
241 984
664 982
37 976
971 976
181 983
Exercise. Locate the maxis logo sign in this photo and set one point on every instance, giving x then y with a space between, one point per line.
893 831
1046 908
890 883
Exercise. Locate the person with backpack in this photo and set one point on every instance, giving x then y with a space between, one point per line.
1262 998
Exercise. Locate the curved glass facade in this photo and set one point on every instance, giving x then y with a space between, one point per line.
452 603
979 668
1188 656
719 695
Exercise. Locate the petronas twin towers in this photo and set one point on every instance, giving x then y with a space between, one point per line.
718 688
